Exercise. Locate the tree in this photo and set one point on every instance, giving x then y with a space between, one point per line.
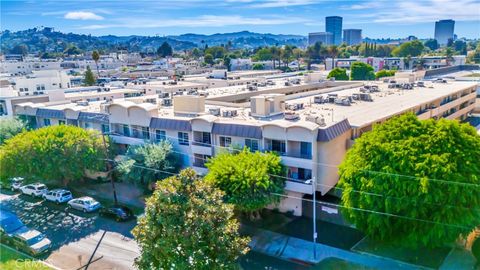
9 127
165 50
412 48
340 74
421 170
432 44
72 50
58 154
159 157
460 47
20 49
449 55
476 249
258 66
196 53
248 179
208 58
333 52
361 71
188 226
89 78
216 51
227 62
384 73
96 57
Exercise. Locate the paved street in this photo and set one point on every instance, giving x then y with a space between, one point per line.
74 234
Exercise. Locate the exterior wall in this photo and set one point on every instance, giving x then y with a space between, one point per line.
329 156
291 203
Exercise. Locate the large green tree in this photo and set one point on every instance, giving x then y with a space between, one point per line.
10 127
422 174
59 154
411 48
361 71
188 226
384 73
340 74
432 44
249 180
159 157
165 50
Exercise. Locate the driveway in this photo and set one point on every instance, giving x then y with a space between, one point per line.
74 235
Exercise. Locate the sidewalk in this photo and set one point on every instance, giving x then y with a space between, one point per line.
295 249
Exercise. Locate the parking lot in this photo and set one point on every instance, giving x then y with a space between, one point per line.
74 234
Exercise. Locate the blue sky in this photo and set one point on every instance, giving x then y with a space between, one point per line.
380 18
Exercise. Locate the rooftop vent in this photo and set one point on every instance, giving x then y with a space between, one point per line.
291 116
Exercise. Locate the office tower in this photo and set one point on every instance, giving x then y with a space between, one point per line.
352 36
324 37
333 24
444 31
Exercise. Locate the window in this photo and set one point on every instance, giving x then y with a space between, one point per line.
61 122
46 122
105 128
305 150
251 144
146 132
160 135
88 125
183 138
126 130
225 141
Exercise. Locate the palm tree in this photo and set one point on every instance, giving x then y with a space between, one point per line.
333 52
96 57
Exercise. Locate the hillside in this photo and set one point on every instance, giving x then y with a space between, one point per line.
47 40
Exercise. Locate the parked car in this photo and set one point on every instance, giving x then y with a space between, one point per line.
85 204
58 196
13 232
117 212
36 189
13 183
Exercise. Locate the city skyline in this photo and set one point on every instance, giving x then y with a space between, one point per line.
379 19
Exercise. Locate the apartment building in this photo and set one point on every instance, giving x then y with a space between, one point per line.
398 63
39 82
310 125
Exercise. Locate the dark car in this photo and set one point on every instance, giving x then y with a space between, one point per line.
117 212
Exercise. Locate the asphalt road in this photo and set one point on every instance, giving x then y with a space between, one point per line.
74 234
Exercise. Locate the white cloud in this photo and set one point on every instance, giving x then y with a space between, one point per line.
201 21
282 3
82 15
414 11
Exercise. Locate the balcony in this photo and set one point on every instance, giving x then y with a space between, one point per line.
276 146
297 149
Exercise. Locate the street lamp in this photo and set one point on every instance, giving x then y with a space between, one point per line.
314 187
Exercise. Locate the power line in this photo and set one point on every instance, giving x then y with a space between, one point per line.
332 204
417 178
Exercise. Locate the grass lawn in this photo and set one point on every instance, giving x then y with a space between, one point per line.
13 260
432 258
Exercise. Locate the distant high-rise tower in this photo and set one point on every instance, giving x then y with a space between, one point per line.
352 36
323 37
444 31
333 24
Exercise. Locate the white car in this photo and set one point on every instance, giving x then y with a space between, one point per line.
58 196
85 204
36 189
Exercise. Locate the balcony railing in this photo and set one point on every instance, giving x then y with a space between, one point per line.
204 144
299 155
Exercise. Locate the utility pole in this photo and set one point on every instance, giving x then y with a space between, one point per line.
107 166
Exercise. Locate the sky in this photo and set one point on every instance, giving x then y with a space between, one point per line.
377 19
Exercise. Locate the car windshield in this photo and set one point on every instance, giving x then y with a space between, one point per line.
66 194
36 239
89 202
11 224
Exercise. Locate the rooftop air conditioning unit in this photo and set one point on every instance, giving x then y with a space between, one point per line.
291 116
166 102
214 111
151 100
82 103
318 99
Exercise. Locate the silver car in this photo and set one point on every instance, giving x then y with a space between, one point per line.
36 189
31 241
85 204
